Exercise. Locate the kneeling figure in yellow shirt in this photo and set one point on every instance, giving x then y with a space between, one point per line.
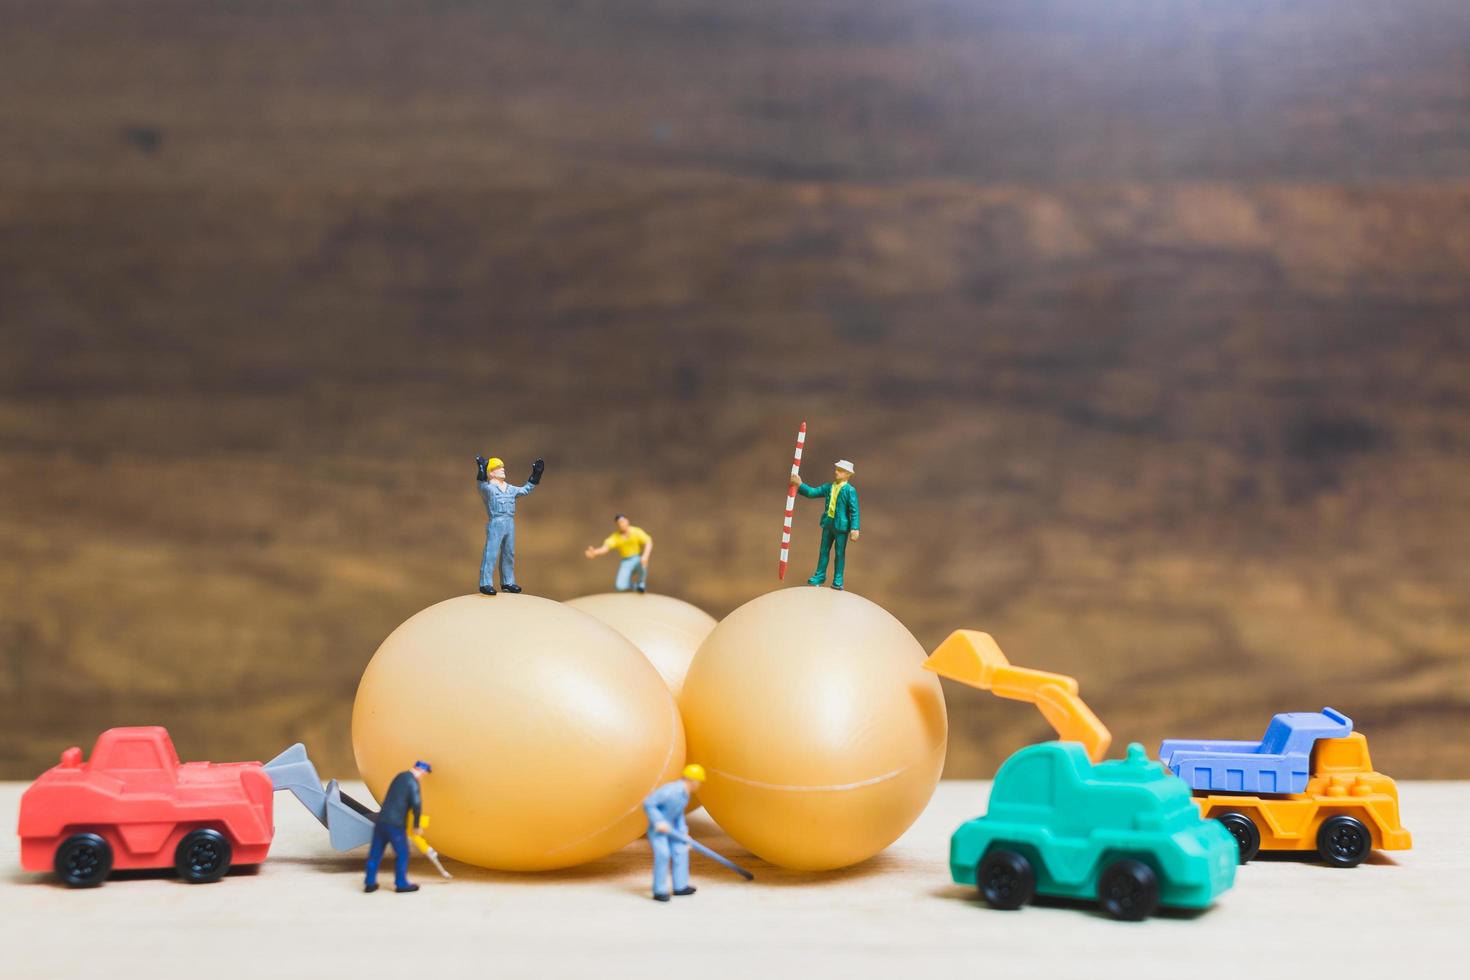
633 546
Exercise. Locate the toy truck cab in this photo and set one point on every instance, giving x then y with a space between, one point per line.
1063 822
1123 832
1309 784
133 804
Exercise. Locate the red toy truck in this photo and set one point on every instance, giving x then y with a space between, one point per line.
134 805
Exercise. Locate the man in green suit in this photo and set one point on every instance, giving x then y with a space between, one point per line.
839 519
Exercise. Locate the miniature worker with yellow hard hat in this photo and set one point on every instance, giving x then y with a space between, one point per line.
500 528
668 832
840 519
633 545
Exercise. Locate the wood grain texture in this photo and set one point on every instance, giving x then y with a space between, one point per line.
1147 326
303 914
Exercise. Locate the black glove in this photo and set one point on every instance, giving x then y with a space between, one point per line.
536 470
480 461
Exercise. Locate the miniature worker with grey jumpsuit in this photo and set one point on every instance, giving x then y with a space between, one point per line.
668 832
500 529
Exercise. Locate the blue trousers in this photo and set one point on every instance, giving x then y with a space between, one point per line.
669 852
500 542
383 835
831 541
628 569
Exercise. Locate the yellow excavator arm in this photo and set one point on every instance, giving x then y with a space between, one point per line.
974 658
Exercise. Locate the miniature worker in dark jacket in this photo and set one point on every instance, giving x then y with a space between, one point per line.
500 528
668 832
840 520
403 797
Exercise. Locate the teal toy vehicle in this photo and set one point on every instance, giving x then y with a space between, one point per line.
1126 833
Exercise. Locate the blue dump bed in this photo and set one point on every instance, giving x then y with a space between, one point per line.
1279 763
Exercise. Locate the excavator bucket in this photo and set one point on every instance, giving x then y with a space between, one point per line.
293 770
974 658
349 824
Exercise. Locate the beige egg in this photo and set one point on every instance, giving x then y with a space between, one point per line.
545 727
667 630
822 734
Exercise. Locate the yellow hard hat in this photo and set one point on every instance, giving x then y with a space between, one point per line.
695 772
493 463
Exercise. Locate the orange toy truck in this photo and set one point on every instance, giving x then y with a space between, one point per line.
1308 785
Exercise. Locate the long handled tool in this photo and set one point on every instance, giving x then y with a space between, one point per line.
791 501
712 855
422 844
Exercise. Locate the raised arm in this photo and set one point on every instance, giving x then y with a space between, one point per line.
536 469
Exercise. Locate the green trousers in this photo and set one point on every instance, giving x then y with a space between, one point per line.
829 539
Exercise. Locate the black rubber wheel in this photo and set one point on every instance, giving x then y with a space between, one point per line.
83 860
1247 835
1343 842
1005 879
202 856
1128 890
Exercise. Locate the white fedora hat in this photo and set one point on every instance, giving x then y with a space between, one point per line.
846 464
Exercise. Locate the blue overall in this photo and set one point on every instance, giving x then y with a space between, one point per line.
383 835
500 530
403 798
667 804
628 569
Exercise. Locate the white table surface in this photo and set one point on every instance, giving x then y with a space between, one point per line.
303 914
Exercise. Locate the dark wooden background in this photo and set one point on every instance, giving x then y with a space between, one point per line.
1146 323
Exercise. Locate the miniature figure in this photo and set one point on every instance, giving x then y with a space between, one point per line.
392 827
668 832
500 530
840 520
633 545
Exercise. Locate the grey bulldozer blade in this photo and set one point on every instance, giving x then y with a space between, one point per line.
349 823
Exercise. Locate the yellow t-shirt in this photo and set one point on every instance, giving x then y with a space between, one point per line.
630 544
832 500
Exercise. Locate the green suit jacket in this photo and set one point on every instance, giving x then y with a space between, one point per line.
847 506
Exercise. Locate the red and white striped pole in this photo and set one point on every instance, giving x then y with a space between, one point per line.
791 501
